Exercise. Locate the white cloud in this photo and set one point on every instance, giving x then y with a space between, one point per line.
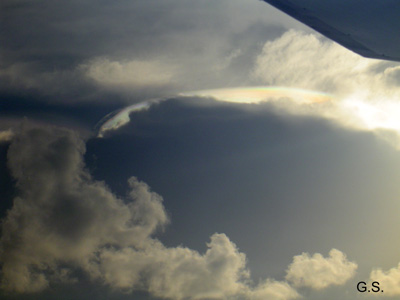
129 74
318 272
273 290
366 90
177 273
305 60
389 281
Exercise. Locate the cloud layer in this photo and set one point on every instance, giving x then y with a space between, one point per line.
131 74
189 46
363 91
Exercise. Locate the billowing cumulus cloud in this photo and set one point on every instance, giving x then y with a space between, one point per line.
318 272
178 273
62 217
63 221
389 281
61 214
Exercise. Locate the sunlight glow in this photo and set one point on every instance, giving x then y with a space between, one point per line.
356 111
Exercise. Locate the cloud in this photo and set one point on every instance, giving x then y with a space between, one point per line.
273 290
245 95
178 273
31 76
364 91
182 273
367 90
61 214
6 135
63 220
161 36
309 61
318 272
129 74
389 281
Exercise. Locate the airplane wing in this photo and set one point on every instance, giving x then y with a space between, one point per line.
370 28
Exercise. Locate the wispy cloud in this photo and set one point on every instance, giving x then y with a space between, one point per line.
131 74
310 61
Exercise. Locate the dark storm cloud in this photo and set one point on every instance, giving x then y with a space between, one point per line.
97 28
36 108
46 43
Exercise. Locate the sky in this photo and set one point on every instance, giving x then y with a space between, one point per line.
170 149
